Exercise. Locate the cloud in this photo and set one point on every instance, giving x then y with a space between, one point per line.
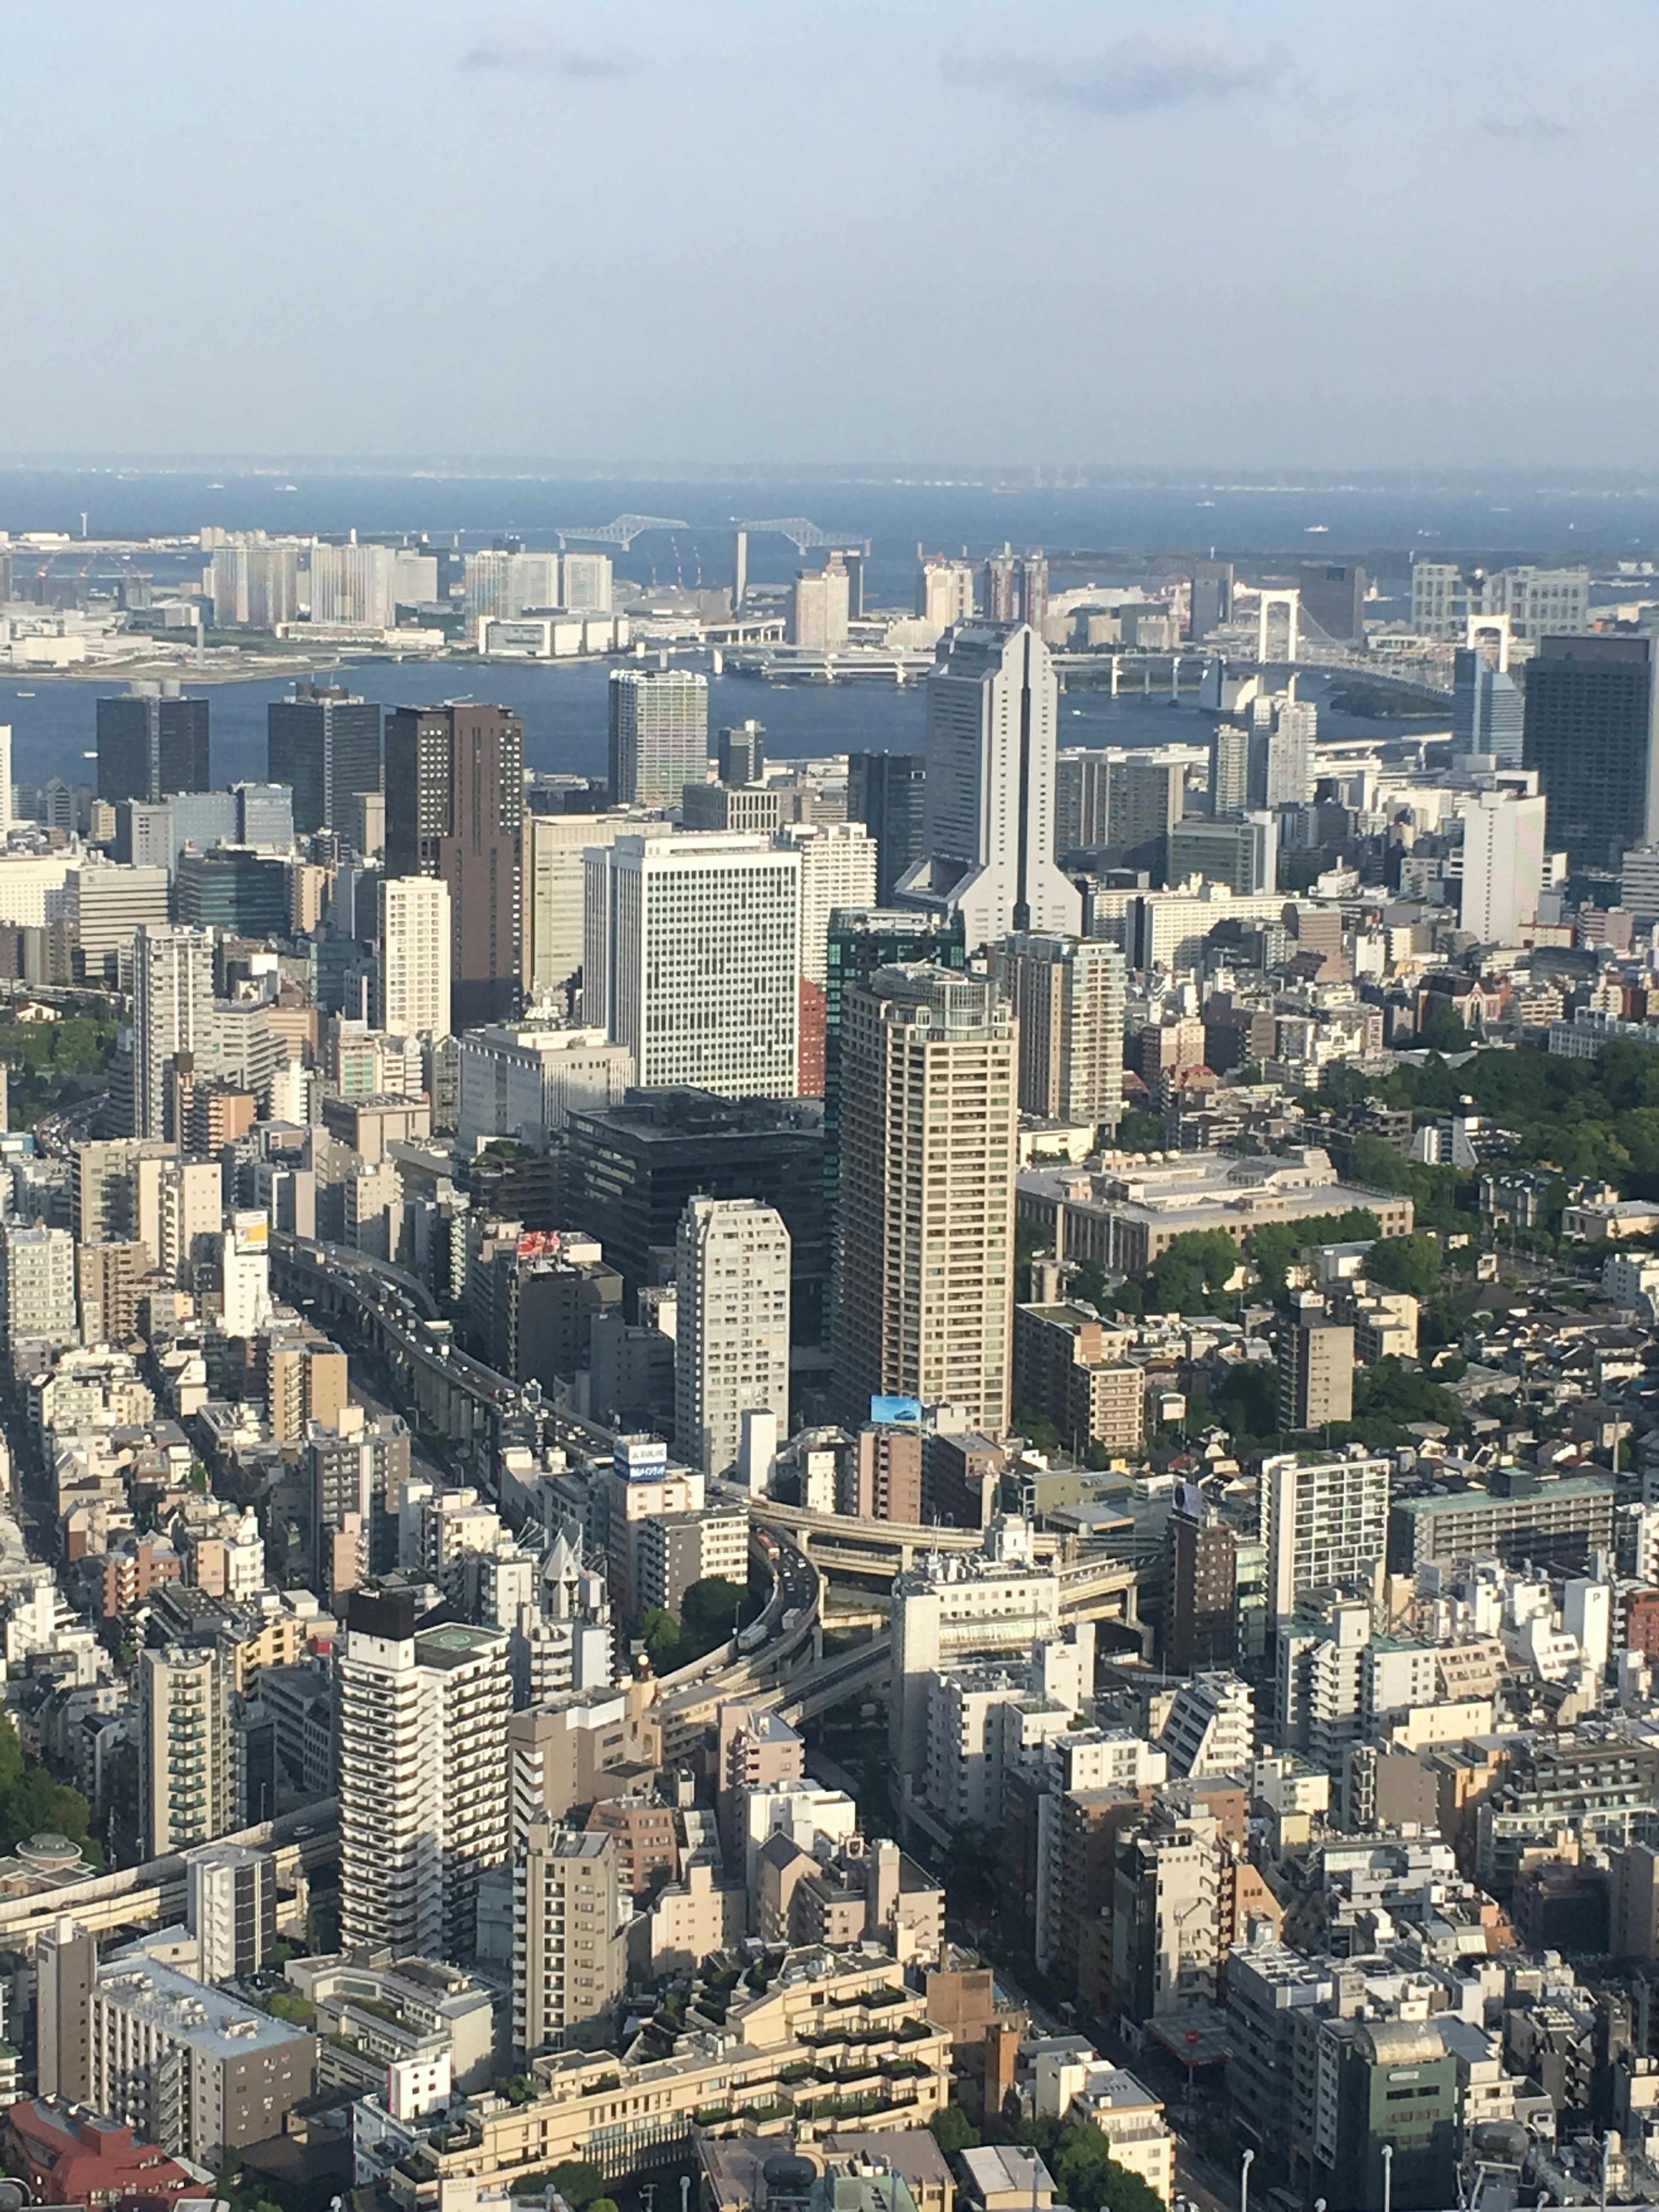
531 49
1137 78
1533 128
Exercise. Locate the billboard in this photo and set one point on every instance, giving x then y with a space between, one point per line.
896 1412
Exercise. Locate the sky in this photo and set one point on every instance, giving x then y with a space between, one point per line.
1406 235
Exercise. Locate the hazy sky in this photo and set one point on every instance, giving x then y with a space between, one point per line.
1273 232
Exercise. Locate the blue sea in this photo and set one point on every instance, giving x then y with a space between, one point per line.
1106 532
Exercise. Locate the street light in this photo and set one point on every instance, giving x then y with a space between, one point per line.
1244 2165
1388 2177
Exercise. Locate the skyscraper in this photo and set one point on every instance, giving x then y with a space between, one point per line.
152 743
740 752
819 608
1488 712
925 1259
945 592
1067 995
1229 769
732 1354
860 943
424 1703
415 957
989 817
353 586
325 744
172 1013
454 810
1333 595
691 958
1082 800
659 735
1502 859
887 792
837 873
1014 587
1212 603
1589 733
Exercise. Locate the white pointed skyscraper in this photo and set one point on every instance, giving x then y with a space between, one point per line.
992 703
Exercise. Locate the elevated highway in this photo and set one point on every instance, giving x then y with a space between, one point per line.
300 1842
474 1412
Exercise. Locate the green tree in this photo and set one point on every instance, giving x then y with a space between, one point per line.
1038 1430
1445 1031
1140 1131
952 2131
1411 1264
1189 1274
661 1633
710 1611
580 2183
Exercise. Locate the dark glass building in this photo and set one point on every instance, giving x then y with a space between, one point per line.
454 806
1333 596
151 745
632 1168
884 792
243 892
323 743
1589 734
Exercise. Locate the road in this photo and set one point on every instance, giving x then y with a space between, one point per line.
1198 2179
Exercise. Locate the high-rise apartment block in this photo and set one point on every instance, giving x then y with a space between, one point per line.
1504 833
38 1307
172 1015
691 959
820 606
1068 995
570 1944
424 1811
659 735
1322 1520
1014 588
838 868
887 793
231 1909
732 1269
1589 733
325 744
253 581
352 587
1229 769
416 941
945 592
1316 1370
187 1761
992 708
454 810
924 1298
152 742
